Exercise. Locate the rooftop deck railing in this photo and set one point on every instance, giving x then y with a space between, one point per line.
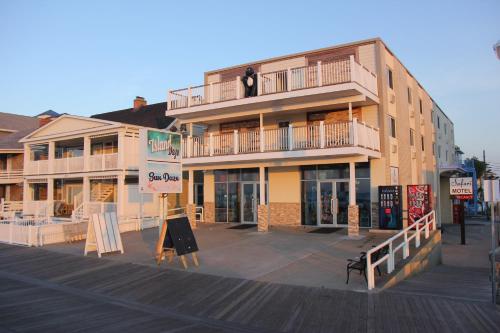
291 79
342 134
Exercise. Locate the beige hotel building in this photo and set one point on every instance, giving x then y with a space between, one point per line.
306 139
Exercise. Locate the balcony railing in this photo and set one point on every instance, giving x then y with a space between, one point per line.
343 134
103 162
10 174
37 167
69 164
313 76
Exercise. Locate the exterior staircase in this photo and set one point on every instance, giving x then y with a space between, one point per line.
100 193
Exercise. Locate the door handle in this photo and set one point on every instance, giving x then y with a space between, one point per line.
335 208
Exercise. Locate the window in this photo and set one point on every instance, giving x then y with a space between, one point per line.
421 107
283 124
433 149
389 78
394 176
412 137
422 139
446 158
392 126
445 128
439 151
439 123
432 116
409 95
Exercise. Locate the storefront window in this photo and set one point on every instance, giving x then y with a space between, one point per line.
309 202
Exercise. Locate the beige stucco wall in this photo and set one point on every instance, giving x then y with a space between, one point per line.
284 184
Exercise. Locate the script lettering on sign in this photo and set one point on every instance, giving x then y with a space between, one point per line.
461 186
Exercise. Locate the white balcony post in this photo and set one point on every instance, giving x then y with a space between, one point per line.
289 79
237 87
86 152
50 197
169 100
211 144
211 93
261 138
390 261
350 111
417 239
27 162
120 187
290 137
320 75
352 67
121 150
354 135
235 141
189 96
51 157
189 146
26 195
190 187
322 134
259 84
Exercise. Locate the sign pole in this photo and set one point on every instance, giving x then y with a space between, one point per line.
493 264
462 223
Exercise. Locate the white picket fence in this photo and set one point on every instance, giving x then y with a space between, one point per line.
404 237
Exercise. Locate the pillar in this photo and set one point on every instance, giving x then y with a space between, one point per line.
120 186
26 196
208 196
86 152
86 193
121 150
262 209
353 210
190 207
50 196
350 111
52 156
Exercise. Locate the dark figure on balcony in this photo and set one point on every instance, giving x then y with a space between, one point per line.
250 82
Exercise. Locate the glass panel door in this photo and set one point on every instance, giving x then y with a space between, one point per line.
342 202
249 203
325 199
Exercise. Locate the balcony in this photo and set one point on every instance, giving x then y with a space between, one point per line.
101 162
8 176
69 164
336 139
334 79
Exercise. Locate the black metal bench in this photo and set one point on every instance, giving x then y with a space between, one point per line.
359 264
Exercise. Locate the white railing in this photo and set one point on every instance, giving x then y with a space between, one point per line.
248 142
37 167
320 136
333 72
404 237
276 139
8 174
37 208
96 207
103 162
69 164
21 231
10 208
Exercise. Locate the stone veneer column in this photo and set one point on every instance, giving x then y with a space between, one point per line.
191 215
262 217
353 220
209 212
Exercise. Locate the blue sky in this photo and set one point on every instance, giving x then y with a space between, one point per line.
89 57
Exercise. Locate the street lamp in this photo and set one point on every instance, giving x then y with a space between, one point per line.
496 48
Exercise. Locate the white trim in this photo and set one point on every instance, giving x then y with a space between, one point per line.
291 154
189 112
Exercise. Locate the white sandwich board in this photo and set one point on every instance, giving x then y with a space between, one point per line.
103 234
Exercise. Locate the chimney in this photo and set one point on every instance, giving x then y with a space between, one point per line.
44 120
139 102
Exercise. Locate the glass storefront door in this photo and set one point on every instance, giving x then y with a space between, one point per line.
333 199
249 197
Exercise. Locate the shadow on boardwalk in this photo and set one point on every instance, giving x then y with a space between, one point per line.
46 291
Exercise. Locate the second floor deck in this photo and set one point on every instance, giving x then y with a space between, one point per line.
323 140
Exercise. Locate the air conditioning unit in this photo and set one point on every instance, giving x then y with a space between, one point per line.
392 98
414 154
412 114
394 149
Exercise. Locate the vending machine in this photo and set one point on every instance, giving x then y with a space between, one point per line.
390 200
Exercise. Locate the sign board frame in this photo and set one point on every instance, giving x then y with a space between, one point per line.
103 234
160 165
461 186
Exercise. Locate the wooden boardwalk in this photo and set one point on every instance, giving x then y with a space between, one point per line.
42 291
